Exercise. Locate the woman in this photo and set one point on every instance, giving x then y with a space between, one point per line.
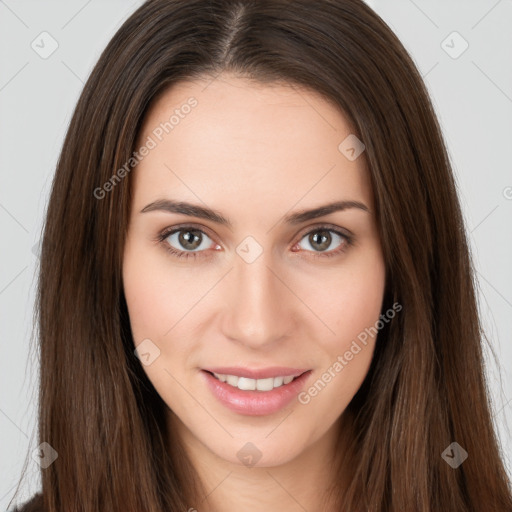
255 287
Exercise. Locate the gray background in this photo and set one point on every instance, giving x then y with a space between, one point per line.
471 90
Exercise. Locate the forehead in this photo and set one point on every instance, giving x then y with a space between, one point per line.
264 145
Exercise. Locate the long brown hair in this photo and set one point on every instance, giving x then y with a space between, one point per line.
426 386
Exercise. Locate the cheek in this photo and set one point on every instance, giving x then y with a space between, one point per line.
348 352
350 298
351 306
157 295
156 301
148 299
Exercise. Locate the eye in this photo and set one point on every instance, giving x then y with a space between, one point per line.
185 241
321 239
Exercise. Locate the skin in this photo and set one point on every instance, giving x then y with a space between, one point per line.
253 153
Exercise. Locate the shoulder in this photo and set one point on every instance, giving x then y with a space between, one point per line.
35 504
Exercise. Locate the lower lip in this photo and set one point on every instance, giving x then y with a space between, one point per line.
255 403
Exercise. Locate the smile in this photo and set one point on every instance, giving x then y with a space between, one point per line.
246 384
262 393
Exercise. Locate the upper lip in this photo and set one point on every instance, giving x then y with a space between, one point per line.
261 373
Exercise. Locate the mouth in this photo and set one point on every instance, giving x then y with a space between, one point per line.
253 394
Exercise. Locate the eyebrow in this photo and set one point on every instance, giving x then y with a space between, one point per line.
194 210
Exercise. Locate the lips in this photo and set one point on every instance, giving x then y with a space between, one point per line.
256 402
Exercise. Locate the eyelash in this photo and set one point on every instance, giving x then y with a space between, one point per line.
162 236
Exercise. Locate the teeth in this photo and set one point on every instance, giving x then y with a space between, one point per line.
232 380
245 384
278 381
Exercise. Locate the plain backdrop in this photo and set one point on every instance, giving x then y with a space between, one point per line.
463 49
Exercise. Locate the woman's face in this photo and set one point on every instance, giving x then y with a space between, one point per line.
260 288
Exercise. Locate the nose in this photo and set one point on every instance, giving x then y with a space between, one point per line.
259 308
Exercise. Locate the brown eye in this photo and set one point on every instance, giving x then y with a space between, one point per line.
187 240
323 238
